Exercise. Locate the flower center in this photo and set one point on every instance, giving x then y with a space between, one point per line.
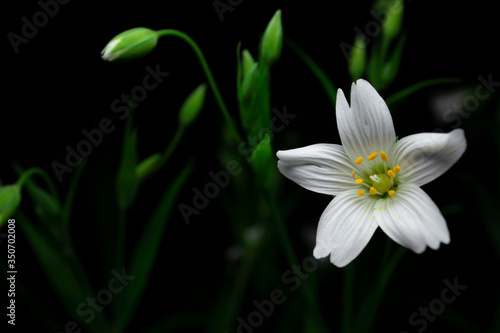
378 177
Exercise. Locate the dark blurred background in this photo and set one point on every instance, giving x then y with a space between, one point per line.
57 85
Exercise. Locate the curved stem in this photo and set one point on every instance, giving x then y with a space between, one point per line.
208 73
27 174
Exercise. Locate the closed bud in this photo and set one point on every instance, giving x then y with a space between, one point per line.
392 22
247 61
10 198
357 61
272 40
192 105
130 44
148 166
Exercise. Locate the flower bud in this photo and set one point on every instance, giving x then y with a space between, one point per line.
358 58
10 198
192 105
247 62
272 40
130 44
147 167
392 22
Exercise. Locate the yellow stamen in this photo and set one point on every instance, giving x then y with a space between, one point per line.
397 168
372 156
361 193
359 160
359 181
353 174
383 156
391 193
373 191
391 174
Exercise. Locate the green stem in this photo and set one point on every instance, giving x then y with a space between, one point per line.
171 146
347 297
208 73
418 86
308 295
317 71
48 181
371 305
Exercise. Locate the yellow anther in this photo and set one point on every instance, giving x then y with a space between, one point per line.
353 174
391 174
359 181
373 191
361 193
391 193
383 156
372 156
359 160
397 168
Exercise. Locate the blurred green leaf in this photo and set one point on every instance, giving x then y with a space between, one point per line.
126 179
262 161
148 167
59 273
10 198
418 86
391 67
146 250
315 69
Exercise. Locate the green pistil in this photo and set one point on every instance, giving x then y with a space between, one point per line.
383 183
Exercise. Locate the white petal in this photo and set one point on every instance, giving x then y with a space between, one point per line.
345 227
322 168
367 126
412 219
426 156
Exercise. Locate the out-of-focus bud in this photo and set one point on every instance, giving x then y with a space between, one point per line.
130 44
10 198
392 22
357 62
148 166
192 105
272 40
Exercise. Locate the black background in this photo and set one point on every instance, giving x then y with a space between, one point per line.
57 85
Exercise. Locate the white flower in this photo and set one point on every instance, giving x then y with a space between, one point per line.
375 180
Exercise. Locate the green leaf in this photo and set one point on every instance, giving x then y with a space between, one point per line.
391 67
315 69
262 160
10 198
145 252
59 273
126 179
418 86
